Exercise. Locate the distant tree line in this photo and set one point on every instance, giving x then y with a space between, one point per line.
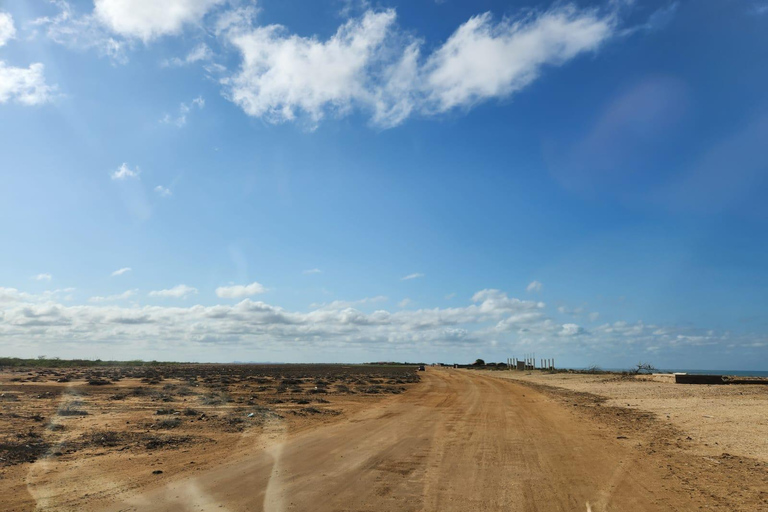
55 362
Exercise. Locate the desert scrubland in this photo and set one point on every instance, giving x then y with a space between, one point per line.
375 438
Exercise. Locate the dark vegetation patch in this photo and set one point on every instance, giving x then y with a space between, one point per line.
24 447
71 410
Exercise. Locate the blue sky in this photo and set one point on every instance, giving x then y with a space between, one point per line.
352 181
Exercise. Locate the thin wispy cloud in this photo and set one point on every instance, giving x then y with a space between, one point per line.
180 118
82 32
240 291
121 271
163 191
760 8
534 286
415 275
43 277
124 172
7 28
181 291
200 53
312 271
114 298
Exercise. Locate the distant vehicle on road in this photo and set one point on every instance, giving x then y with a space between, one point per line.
421 368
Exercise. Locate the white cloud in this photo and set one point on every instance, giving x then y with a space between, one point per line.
177 292
124 172
284 75
81 32
239 291
150 19
7 29
43 277
25 85
163 191
369 63
571 330
235 20
492 316
342 304
534 286
404 303
121 271
12 295
200 53
180 119
415 275
313 271
450 296
114 298
483 59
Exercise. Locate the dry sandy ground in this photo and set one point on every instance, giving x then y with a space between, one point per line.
458 441
719 419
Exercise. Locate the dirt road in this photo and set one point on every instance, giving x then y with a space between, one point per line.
458 441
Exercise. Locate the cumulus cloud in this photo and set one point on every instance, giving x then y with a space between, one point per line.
124 172
26 86
177 292
415 275
484 59
114 26
7 29
534 286
43 277
149 19
239 291
283 75
113 298
492 316
121 271
371 64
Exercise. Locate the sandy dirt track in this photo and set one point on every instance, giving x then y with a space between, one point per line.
458 441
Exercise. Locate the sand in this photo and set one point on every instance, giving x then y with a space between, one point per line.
718 418
458 440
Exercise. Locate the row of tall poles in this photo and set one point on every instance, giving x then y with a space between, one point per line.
529 362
